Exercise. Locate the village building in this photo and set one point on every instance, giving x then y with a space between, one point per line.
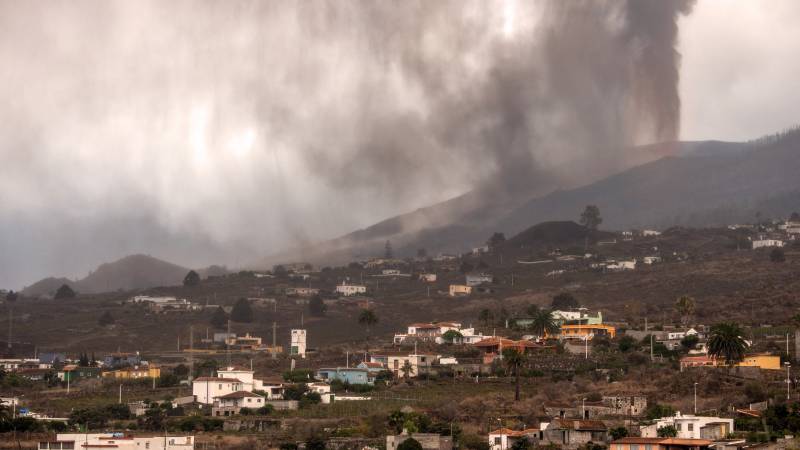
134 373
572 433
763 243
492 347
69 441
607 407
638 443
691 427
457 290
477 279
119 359
428 441
586 332
504 438
350 289
205 389
761 361
298 343
73 372
349 375
232 404
324 391
301 291
427 277
373 367
410 365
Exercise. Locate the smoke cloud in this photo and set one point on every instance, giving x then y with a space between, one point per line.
204 131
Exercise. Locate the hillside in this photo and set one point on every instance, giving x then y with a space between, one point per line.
713 190
128 273
627 199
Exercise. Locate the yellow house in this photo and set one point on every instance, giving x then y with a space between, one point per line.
460 289
584 331
132 373
762 361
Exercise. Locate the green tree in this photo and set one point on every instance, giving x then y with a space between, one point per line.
668 431
410 444
777 255
485 316
522 444
514 359
689 342
451 336
106 319
626 344
590 217
543 324
242 312
191 279
618 433
564 301
685 307
64 292
315 443
219 319
367 318
725 342
465 267
496 240
316 307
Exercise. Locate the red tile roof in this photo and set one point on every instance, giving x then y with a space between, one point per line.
579 425
238 394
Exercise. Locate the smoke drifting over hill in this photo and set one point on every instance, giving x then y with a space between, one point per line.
230 129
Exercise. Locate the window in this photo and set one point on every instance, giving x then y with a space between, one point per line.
497 440
619 446
634 446
689 427
220 387
648 447
146 445
678 426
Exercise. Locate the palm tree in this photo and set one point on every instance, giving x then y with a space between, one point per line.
685 306
367 318
726 342
514 359
407 369
543 323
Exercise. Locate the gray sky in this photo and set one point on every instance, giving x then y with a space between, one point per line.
216 132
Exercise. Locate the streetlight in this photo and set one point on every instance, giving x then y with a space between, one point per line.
695 399
788 378
583 408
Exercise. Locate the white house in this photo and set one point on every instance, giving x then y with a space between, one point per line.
504 438
323 389
651 233
350 289
761 243
118 441
417 362
390 272
245 376
649 260
205 389
459 290
477 279
427 277
231 404
692 427
298 344
622 265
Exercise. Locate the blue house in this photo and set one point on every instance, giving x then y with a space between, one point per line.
118 360
351 375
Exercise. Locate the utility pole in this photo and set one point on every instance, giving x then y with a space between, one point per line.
788 379
651 348
228 343
274 341
120 394
695 399
191 352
